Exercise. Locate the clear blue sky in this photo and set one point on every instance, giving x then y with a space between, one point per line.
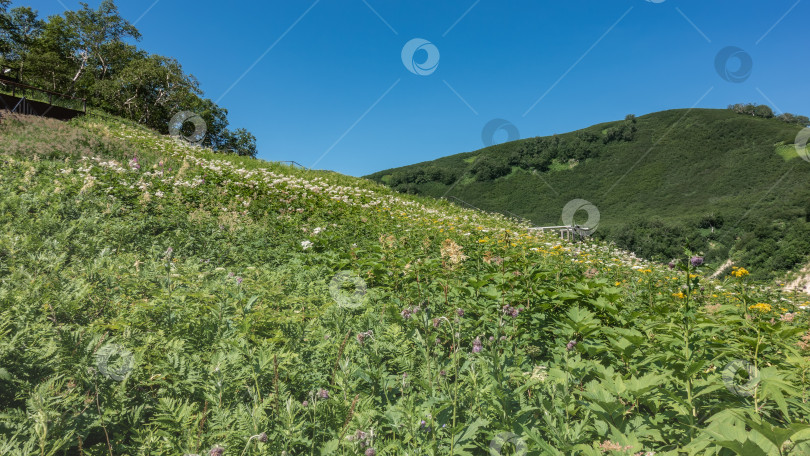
332 88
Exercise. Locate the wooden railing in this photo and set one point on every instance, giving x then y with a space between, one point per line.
26 99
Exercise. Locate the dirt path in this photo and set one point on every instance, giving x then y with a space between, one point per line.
802 282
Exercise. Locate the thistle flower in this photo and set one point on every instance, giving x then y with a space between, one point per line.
406 313
262 437
460 312
371 452
216 451
239 281
305 404
570 345
696 261
671 265
477 345
323 394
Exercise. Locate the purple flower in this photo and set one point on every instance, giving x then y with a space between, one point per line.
239 281
406 313
262 437
671 265
477 346
216 451
305 404
460 312
570 345
436 322
323 394
697 261
371 452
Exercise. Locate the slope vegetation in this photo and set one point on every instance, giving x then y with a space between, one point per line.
156 298
730 185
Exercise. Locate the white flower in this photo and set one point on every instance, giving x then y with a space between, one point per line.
306 244
317 230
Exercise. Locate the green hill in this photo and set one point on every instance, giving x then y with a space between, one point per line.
158 298
730 185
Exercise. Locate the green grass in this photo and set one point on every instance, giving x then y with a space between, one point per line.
681 168
186 301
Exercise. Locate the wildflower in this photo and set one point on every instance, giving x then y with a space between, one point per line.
460 312
239 281
477 346
760 307
739 272
679 295
671 265
452 252
262 437
216 451
323 394
696 261
406 313
788 317
305 404
306 244
570 345
371 452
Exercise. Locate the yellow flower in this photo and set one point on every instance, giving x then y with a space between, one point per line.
679 295
760 307
739 272
618 283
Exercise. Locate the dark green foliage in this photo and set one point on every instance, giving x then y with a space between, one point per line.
765 112
703 176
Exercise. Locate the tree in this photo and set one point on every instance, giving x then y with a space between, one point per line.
97 34
241 142
5 42
763 111
22 27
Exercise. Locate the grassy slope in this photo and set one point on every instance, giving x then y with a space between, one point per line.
173 304
681 166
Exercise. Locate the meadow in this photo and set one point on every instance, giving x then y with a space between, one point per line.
158 298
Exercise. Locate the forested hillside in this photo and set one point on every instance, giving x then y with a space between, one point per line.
729 183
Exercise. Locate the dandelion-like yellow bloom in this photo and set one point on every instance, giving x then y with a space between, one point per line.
760 307
679 295
739 272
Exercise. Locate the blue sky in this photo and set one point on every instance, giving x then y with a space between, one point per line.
323 82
